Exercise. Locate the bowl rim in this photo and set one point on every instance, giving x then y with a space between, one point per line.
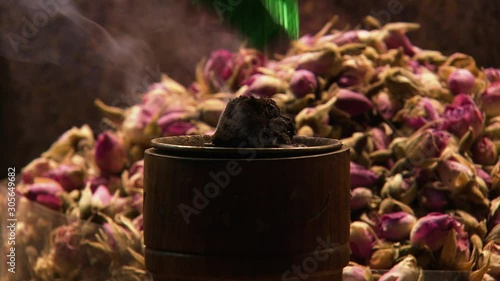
202 147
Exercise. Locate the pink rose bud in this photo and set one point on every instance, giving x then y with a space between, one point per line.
461 114
39 167
356 272
426 144
484 151
348 37
101 197
69 176
490 100
405 270
361 198
432 230
387 106
362 177
453 174
362 238
136 174
396 226
219 68
433 197
247 62
66 246
110 155
461 81
483 175
353 103
307 40
379 138
493 74
112 181
264 86
321 63
398 39
419 111
45 192
303 82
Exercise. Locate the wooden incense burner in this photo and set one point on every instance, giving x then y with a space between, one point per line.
217 213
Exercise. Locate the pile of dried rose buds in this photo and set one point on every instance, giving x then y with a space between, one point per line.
423 128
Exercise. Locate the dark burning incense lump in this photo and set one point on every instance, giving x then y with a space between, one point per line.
253 122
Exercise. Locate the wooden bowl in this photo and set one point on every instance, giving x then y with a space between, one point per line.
217 213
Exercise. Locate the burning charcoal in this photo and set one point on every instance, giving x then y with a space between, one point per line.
258 122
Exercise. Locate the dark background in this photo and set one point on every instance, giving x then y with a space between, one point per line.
51 85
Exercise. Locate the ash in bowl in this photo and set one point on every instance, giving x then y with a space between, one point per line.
254 122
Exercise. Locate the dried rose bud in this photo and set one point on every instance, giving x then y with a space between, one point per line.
405 270
347 37
138 222
211 110
490 100
493 74
100 197
384 256
219 68
398 39
387 106
67 241
177 123
353 103
356 71
399 188
356 272
307 40
113 182
461 114
419 111
379 138
39 167
491 253
247 62
69 176
484 151
483 175
110 155
46 192
361 198
494 218
136 174
69 142
390 205
362 239
316 118
461 81
303 82
432 230
324 62
455 174
264 85
396 226
434 197
362 177
426 144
